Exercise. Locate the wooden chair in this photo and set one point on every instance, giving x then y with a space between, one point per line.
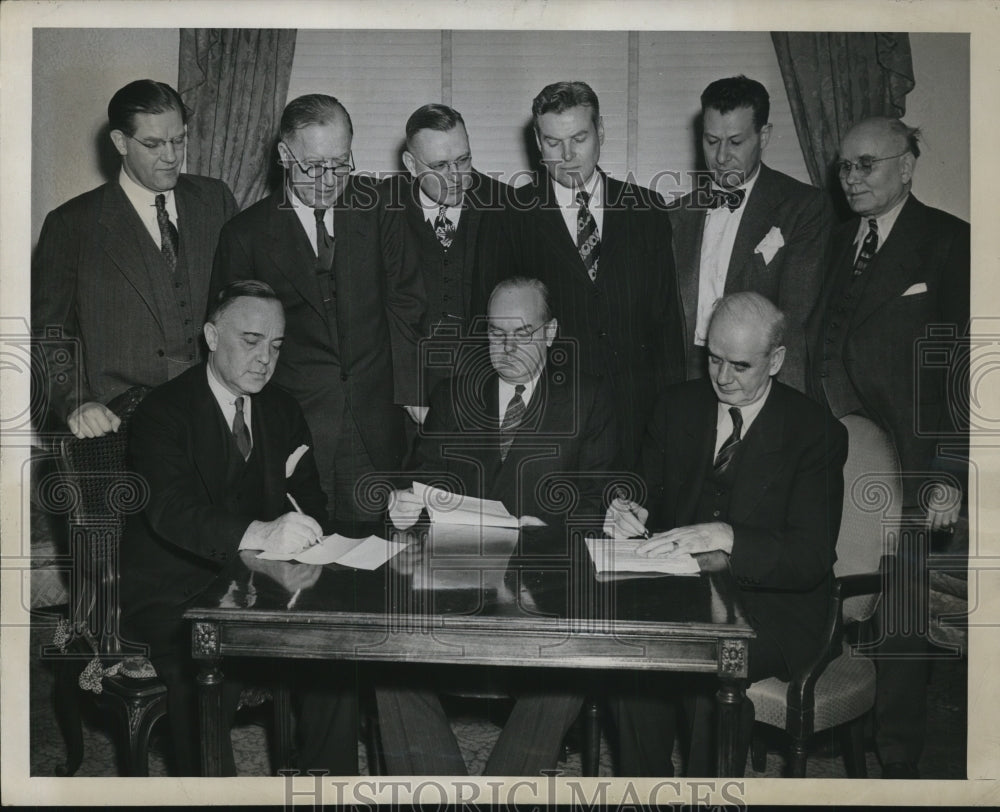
837 690
98 492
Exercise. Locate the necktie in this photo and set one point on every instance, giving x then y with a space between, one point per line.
241 433
588 241
868 248
444 228
511 420
725 456
169 239
731 198
324 242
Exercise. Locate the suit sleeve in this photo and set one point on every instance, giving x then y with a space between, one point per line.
233 261
799 553
598 450
802 281
668 298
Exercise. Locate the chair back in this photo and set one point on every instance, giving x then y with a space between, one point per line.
100 493
870 521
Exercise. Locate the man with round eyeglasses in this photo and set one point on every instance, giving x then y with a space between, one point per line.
891 343
123 270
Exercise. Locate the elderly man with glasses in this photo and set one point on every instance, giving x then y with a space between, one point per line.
123 270
333 253
891 343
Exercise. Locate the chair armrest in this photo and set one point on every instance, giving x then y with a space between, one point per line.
862 583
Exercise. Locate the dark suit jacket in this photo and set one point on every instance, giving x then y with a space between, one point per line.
565 445
190 529
792 279
626 325
914 385
379 309
99 275
784 509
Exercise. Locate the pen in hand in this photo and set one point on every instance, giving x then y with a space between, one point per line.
627 508
295 505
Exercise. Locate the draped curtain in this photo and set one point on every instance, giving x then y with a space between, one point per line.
235 80
835 80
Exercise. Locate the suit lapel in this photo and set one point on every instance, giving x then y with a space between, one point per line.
761 455
553 227
689 225
697 442
754 225
194 231
264 443
209 437
291 253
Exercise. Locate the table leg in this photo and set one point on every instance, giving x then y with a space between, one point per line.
729 700
210 716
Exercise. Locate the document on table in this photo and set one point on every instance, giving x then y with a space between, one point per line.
619 555
360 554
445 507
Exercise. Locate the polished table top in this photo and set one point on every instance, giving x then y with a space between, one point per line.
485 596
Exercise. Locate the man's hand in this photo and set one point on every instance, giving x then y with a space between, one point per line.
695 538
418 414
290 575
943 507
625 519
92 419
286 535
405 507
531 521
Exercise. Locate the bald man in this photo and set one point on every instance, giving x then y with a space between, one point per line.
741 463
890 336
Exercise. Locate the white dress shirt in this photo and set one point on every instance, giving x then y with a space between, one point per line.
724 421
566 198
227 402
308 219
144 203
717 240
507 392
430 209
883 222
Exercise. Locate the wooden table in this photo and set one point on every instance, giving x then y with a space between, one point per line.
528 598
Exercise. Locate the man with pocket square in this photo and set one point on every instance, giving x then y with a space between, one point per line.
746 226
890 343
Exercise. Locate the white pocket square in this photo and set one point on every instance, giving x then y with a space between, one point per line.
293 460
913 290
769 246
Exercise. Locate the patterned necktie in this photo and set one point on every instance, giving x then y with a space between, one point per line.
868 248
444 228
169 239
726 197
725 456
588 241
511 420
324 242
241 433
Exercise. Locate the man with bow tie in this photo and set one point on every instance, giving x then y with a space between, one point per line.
746 226
221 451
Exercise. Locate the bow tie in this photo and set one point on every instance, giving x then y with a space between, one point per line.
721 197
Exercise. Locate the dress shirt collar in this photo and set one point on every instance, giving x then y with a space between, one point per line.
884 222
143 200
227 400
566 196
747 186
430 208
307 217
507 392
724 422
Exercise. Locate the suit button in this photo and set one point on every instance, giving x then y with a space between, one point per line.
602 334
183 304
177 284
343 376
160 353
190 340
715 513
719 492
834 323
191 357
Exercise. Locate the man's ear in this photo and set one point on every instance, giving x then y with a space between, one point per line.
600 130
120 140
211 336
777 359
409 162
551 328
284 153
907 163
765 136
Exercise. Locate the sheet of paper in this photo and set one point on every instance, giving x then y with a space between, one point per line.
619 555
359 554
445 507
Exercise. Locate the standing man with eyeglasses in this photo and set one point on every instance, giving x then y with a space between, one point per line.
451 227
745 226
124 269
332 252
891 344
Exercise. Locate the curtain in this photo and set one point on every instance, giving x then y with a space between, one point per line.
235 80
834 81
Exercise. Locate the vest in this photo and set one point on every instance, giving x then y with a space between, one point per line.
716 491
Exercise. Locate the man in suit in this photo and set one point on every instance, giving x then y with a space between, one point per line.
452 224
214 445
899 281
743 464
504 436
334 255
746 226
124 268
603 249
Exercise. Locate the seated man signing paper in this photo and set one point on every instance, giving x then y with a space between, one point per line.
743 464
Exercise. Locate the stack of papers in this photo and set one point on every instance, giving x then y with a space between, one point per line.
445 507
360 554
619 555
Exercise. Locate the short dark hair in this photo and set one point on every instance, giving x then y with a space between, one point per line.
909 136
562 96
726 95
253 288
439 117
537 285
313 108
143 96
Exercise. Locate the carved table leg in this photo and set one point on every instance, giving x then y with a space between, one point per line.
205 646
730 758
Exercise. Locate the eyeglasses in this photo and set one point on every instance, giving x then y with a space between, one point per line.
865 164
158 144
320 168
461 164
522 335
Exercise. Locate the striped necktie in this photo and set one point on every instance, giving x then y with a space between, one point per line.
511 420
169 238
729 448
588 241
241 432
444 228
868 248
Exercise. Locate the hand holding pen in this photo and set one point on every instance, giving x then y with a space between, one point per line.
626 519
